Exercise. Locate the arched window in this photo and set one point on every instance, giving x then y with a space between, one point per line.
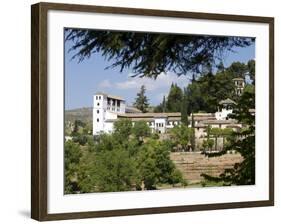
98 111
98 120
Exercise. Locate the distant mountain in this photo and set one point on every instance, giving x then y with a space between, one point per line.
83 114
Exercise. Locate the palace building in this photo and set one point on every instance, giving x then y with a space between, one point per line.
108 108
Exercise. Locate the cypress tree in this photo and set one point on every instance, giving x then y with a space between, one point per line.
141 101
174 99
192 139
184 115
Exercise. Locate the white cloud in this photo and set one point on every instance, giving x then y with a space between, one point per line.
156 89
159 96
163 80
105 84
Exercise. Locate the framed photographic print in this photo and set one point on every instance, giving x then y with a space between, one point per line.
138 111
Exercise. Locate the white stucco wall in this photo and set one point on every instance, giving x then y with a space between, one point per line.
222 115
98 114
161 124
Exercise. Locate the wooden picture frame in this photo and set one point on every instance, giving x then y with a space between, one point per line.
39 110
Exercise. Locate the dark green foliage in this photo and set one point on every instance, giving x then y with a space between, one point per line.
141 102
176 177
80 138
184 105
122 129
108 164
77 124
249 88
251 68
181 136
195 101
242 142
192 133
174 101
237 69
120 161
216 132
109 171
149 54
72 155
155 165
204 93
161 107
141 130
208 144
220 67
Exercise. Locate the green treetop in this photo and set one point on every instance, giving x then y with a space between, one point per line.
184 105
141 102
150 54
174 101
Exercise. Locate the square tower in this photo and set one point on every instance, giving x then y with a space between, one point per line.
239 85
105 109
99 109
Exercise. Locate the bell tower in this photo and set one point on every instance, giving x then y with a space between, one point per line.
239 85
99 104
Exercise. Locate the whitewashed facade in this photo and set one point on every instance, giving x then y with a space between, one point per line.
225 108
108 108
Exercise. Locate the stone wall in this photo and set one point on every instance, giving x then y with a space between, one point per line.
192 164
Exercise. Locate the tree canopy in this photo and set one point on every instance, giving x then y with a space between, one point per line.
141 101
120 161
174 100
149 54
243 142
205 92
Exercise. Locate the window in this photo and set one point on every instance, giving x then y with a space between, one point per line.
98 120
98 104
98 111
96 97
99 97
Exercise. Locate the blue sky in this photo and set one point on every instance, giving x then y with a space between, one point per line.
83 79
